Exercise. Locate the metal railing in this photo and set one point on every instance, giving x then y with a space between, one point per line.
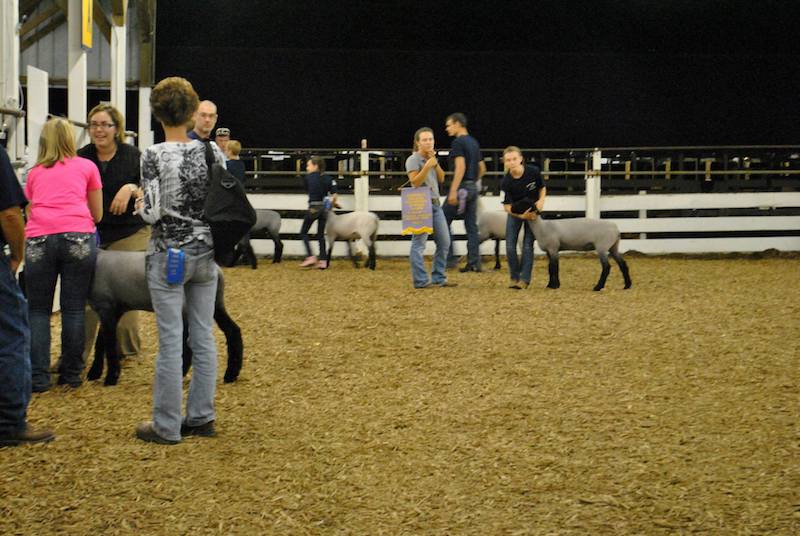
679 169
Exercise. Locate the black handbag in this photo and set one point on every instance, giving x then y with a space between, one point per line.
227 210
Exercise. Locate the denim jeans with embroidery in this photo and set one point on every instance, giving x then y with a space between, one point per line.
71 256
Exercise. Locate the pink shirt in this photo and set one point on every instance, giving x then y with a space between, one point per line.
59 197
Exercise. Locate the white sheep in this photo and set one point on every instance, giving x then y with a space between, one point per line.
579 234
350 227
492 225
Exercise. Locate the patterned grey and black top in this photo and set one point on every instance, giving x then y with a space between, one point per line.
175 184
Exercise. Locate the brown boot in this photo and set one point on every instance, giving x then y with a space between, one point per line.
28 435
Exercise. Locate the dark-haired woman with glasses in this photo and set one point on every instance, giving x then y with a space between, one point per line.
120 229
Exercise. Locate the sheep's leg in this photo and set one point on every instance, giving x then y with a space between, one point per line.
96 369
350 253
623 266
233 337
108 327
331 242
371 259
604 273
250 256
496 254
552 269
187 349
276 239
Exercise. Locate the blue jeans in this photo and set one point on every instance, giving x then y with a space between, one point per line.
513 226
71 256
441 236
15 364
471 224
197 294
320 216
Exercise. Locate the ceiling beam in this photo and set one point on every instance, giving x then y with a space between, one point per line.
54 23
28 6
101 20
37 19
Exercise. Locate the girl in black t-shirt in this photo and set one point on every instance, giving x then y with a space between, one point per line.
524 192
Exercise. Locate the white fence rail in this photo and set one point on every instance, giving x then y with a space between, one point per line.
764 202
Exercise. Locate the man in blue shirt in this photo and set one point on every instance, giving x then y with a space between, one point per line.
468 168
15 339
204 120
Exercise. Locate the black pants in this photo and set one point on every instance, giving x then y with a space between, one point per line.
320 216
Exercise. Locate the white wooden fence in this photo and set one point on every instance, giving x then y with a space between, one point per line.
642 225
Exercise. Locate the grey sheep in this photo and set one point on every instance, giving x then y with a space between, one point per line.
268 221
119 286
579 234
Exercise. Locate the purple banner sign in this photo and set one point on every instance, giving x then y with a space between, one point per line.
417 211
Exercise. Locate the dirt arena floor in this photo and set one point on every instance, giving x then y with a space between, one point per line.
366 407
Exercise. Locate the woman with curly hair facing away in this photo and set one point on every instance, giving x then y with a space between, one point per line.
181 272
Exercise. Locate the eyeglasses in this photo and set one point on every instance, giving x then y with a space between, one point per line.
101 125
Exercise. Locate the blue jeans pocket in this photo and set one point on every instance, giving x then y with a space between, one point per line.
35 249
78 245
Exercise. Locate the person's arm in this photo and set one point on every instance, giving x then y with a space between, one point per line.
119 205
95 202
417 178
148 202
13 227
458 174
481 169
540 201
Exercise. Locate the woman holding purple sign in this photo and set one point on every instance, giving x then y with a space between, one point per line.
424 170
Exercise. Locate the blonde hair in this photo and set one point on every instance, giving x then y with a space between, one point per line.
234 147
115 116
56 143
513 149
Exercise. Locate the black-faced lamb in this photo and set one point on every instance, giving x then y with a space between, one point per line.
350 227
119 286
580 234
268 221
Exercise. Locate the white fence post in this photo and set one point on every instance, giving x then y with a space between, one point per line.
642 215
361 184
593 186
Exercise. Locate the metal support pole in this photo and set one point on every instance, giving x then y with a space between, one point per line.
593 186
76 83
119 39
38 107
9 75
145 125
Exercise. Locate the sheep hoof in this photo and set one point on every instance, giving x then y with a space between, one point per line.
111 380
629 285
230 378
554 287
94 374
597 289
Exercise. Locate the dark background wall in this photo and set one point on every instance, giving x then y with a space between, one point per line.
289 73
